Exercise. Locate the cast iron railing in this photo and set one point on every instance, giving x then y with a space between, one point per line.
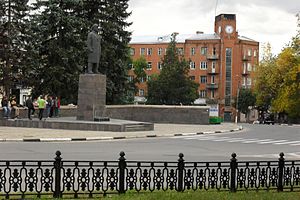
60 178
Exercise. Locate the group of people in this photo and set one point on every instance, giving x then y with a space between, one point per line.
51 104
48 103
9 106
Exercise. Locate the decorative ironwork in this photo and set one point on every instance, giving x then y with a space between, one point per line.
21 178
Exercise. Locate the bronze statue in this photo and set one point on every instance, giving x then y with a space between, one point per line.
94 50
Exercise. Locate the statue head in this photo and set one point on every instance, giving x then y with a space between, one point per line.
95 27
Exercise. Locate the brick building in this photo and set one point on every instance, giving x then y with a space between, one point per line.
221 62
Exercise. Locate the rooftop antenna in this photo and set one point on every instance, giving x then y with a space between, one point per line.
216 7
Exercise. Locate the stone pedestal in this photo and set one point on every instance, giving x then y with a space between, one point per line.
91 96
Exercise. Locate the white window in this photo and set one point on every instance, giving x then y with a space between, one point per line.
249 52
212 79
203 50
148 78
130 78
159 65
180 51
159 51
213 66
202 93
142 51
149 65
203 79
244 82
131 66
149 51
249 81
132 51
255 53
142 80
192 65
193 51
141 92
203 65
249 67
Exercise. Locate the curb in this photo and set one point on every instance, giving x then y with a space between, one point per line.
114 138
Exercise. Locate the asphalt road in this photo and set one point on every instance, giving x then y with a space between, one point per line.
255 142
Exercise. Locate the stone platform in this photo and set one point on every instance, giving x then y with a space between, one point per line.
70 123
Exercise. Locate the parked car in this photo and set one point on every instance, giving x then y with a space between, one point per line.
269 119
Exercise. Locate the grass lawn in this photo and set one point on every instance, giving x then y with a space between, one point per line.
207 195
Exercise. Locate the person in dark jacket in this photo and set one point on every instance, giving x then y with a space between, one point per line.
4 105
29 105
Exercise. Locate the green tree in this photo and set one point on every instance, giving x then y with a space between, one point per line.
245 99
59 44
173 85
115 50
13 42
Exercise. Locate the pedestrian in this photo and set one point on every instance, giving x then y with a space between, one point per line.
41 104
48 106
4 105
56 106
30 106
13 104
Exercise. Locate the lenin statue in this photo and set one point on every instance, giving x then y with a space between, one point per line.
94 50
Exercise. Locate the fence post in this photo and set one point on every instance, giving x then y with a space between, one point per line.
57 168
180 172
280 172
233 167
122 167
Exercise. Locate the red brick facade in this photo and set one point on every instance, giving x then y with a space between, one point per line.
221 62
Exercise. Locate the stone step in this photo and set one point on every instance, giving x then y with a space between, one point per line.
138 127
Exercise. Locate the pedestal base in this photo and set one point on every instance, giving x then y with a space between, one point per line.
91 96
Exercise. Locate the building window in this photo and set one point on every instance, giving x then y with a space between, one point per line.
130 78
130 66
212 94
132 51
148 78
249 81
249 67
192 65
193 51
141 92
244 82
202 93
142 51
228 67
203 50
214 51
213 65
159 66
203 79
249 52
142 80
159 52
212 79
255 53
192 78
180 51
149 65
149 51
203 65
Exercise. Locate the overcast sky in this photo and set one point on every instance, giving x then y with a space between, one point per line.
271 21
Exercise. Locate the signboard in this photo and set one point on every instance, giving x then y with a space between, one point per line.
214 110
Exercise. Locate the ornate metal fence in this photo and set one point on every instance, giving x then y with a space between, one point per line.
58 178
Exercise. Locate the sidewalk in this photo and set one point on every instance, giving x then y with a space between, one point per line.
12 134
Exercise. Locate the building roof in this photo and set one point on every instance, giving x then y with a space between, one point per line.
180 38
